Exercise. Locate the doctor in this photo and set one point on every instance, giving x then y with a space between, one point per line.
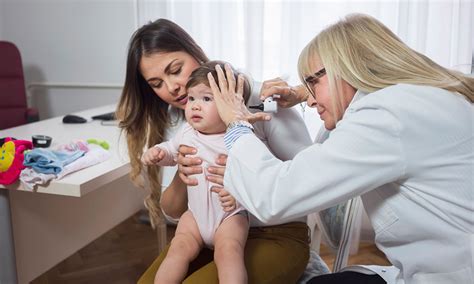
401 138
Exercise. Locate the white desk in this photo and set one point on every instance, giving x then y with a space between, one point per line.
49 227
89 179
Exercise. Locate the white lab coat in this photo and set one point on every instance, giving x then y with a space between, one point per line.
408 151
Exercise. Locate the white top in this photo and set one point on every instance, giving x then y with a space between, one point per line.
204 204
285 134
408 151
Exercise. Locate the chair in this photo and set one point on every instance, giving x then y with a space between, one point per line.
13 105
337 225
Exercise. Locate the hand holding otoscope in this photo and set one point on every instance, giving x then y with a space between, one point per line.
280 94
268 105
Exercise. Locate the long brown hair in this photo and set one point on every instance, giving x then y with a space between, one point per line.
142 114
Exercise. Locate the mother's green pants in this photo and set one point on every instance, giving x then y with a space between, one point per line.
274 254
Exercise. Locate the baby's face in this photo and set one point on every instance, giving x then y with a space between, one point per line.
201 111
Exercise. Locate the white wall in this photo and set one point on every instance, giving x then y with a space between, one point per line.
1 18
70 41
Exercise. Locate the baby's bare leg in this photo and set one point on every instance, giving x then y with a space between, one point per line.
185 247
229 247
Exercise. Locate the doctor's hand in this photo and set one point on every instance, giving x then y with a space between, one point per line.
229 97
188 166
288 96
152 156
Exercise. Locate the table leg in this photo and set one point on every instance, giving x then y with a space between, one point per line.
7 251
161 233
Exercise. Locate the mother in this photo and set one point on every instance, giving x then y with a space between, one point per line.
161 56
402 138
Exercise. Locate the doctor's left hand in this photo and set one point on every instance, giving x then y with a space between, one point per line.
229 97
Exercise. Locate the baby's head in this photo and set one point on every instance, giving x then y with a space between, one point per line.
201 111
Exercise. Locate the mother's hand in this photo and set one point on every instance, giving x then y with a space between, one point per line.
287 96
229 100
188 165
217 173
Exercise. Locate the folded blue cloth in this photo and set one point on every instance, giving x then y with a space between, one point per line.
48 161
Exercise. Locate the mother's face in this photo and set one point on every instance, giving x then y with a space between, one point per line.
167 74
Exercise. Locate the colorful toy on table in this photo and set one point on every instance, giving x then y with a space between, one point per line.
101 143
11 159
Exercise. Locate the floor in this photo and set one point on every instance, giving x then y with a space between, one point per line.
121 255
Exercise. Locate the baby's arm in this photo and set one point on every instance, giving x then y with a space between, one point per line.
152 156
158 155
165 153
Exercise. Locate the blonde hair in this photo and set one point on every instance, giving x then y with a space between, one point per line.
367 55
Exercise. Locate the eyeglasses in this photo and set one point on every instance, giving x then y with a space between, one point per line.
312 78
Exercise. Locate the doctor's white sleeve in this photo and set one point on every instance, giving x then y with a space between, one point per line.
361 154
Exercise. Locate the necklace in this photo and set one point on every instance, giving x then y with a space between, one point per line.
303 108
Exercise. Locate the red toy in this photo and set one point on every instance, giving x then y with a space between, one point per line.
11 159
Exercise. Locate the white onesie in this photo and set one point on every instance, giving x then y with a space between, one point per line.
203 204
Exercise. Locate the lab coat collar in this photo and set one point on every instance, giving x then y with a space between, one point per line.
358 95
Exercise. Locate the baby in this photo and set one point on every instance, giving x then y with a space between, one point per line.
205 223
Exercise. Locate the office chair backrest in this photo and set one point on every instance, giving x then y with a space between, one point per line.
337 224
13 104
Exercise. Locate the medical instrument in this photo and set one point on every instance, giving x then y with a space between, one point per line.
268 105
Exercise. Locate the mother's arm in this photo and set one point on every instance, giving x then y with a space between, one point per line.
286 133
174 200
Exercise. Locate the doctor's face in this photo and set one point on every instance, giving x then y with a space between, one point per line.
321 98
167 74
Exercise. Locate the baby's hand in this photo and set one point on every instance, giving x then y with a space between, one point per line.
152 156
228 202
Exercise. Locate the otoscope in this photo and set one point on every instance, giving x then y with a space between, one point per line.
268 105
